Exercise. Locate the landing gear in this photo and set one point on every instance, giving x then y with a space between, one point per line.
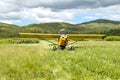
72 48
62 47
54 48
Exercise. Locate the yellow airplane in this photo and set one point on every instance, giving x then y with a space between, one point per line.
63 38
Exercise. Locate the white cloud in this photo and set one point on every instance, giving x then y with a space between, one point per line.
111 12
6 21
57 10
9 21
41 15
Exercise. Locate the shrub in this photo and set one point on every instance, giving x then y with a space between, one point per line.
24 40
112 38
19 40
3 41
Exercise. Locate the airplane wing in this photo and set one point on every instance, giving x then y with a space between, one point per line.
39 35
83 36
75 36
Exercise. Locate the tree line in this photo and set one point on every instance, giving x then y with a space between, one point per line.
12 33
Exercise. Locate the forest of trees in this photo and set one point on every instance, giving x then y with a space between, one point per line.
112 32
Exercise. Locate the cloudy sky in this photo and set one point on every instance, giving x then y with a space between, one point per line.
23 12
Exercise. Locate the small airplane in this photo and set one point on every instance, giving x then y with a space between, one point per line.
63 38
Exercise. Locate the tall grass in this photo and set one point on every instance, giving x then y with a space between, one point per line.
91 60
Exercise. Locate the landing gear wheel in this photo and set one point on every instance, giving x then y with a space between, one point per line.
72 48
62 47
54 48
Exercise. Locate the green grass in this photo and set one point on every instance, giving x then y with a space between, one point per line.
91 60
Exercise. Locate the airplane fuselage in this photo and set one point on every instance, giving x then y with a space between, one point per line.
62 41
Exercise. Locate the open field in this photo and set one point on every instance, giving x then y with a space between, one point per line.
91 60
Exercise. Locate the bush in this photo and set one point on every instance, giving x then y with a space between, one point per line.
112 38
19 40
3 41
24 40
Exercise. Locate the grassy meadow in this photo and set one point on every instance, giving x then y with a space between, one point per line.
91 60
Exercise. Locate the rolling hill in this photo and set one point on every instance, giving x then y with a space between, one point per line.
100 25
103 26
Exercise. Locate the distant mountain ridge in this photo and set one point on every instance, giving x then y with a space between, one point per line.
5 25
102 21
102 26
61 23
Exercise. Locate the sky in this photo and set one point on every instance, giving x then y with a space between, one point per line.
23 12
